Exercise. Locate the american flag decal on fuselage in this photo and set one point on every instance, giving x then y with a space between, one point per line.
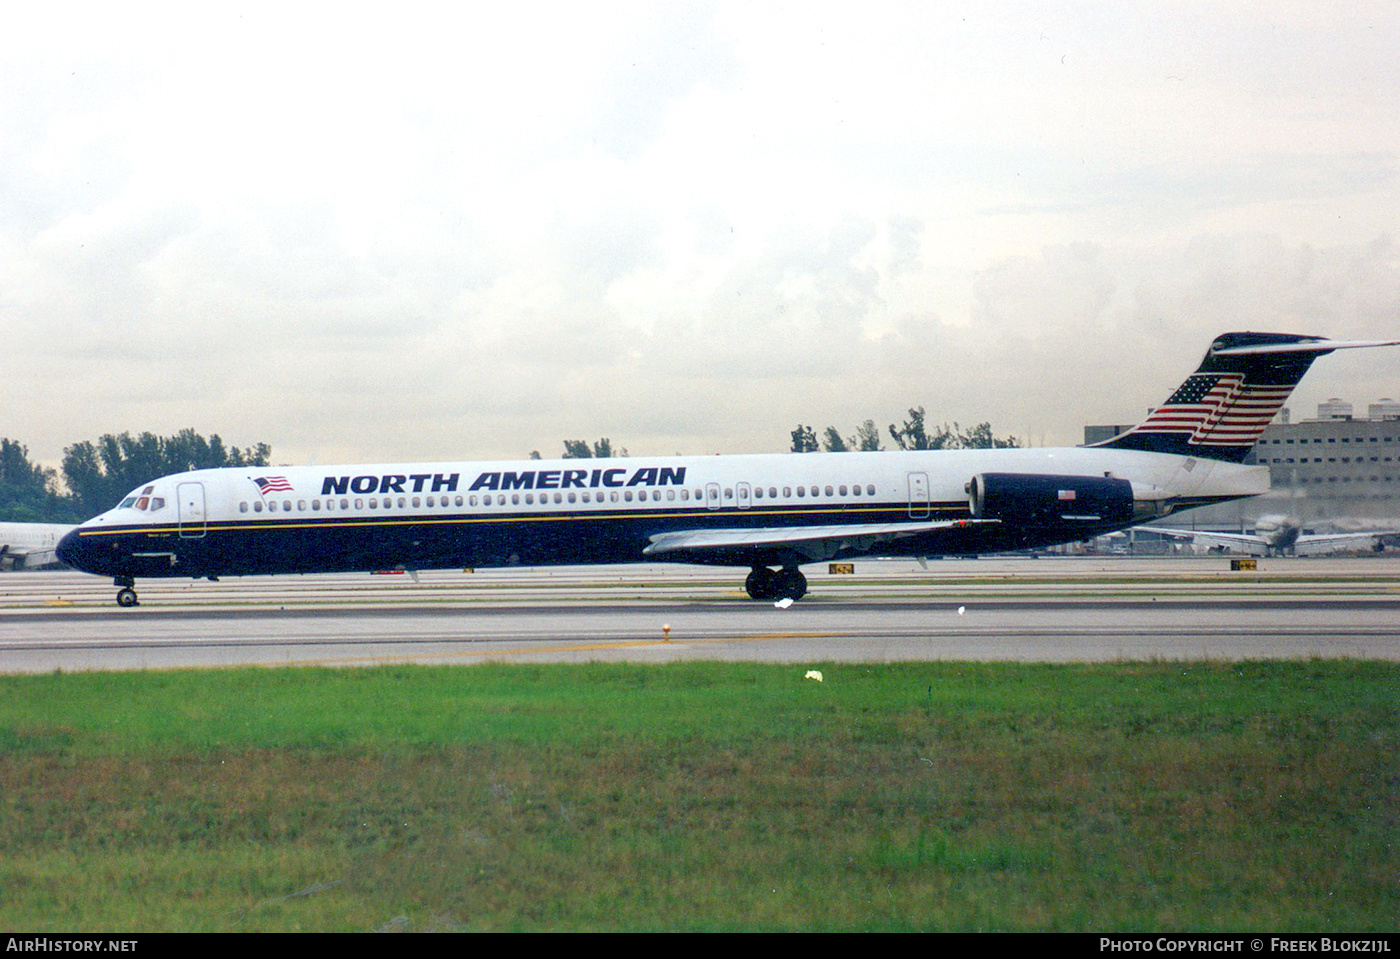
272 484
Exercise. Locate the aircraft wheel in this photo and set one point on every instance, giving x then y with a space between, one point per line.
126 597
790 584
760 583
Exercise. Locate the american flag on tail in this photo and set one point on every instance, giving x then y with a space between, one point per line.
1218 409
1242 382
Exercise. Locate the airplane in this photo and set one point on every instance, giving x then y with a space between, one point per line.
1277 535
771 513
30 545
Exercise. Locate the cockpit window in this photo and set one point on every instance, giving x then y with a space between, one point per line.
143 500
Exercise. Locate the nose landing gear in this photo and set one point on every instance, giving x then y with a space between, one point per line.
126 596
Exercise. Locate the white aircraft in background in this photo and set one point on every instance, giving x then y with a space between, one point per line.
30 545
1278 536
771 513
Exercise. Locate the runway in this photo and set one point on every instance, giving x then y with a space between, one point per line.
1061 609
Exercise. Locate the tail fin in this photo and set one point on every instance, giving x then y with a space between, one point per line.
1221 409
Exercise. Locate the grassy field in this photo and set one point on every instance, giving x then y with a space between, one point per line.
937 796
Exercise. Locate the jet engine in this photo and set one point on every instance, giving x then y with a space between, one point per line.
1038 498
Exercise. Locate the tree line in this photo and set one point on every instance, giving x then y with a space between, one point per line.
581 450
97 474
913 434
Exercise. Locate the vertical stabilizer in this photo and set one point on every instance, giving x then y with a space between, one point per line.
1221 409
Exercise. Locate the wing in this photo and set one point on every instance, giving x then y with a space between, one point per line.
1312 543
27 557
1243 542
812 542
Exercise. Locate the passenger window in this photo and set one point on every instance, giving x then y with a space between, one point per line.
801 491
843 490
315 506
301 504
272 506
870 489
459 499
417 501
257 507
242 507
828 491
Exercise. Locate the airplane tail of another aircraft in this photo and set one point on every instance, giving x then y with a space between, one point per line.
1221 409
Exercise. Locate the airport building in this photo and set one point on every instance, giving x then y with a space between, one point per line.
1326 471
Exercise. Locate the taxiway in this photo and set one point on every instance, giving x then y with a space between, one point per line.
1052 609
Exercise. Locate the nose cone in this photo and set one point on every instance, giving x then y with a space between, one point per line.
73 551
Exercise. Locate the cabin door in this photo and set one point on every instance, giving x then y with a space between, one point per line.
918 495
190 497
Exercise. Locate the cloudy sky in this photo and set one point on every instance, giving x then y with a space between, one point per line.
365 232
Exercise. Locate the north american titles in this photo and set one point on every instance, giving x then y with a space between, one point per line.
506 479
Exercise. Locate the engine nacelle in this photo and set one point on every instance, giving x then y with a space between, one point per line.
1038 498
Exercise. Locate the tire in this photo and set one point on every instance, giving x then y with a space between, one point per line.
790 584
760 583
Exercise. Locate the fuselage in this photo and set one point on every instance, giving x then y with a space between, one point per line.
239 521
30 545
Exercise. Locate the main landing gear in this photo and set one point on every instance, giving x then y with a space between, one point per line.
126 596
785 583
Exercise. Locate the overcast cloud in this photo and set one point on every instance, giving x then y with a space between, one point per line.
375 232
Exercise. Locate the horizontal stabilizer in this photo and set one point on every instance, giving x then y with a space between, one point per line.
1303 346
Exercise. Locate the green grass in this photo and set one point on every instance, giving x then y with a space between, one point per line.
704 796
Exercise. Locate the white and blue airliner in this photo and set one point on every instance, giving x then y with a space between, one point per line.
770 513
